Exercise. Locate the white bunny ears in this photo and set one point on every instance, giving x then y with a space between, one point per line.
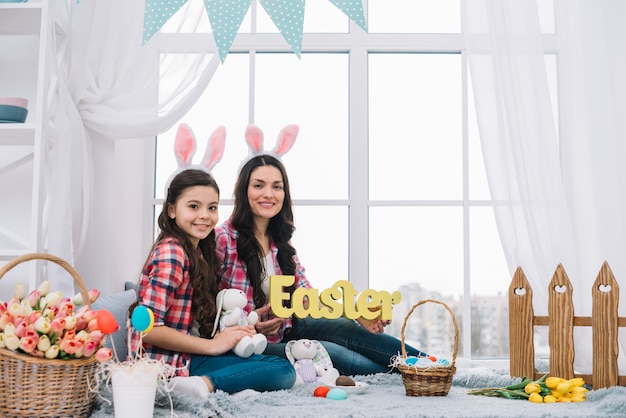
254 139
185 148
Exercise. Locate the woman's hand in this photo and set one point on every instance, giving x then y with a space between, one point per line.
269 327
228 338
375 326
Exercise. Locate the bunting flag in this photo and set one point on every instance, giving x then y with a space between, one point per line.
353 9
288 16
156 13
226 16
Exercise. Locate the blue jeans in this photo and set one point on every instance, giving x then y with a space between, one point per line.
353 349
231 373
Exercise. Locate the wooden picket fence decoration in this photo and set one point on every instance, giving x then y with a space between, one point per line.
561 322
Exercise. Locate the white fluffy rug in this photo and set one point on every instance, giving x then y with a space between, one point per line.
385 397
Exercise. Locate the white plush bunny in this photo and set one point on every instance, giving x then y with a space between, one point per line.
311 361
230 312
185 148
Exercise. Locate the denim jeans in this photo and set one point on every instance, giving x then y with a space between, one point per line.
352 349
231 373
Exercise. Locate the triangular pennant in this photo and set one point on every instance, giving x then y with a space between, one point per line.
288 16
156 13
353 9
225 17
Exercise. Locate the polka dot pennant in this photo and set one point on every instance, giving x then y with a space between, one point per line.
156 13
225 17
288 16
353 9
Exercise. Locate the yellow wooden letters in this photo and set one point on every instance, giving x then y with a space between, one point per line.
339 300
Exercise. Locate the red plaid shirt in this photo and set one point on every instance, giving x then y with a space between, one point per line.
233 271
165 287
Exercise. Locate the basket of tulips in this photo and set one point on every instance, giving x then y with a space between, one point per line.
50 347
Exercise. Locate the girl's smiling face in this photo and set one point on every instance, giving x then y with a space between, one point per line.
195 212
266 192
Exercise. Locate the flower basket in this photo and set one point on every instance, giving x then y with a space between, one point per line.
431 380
40 387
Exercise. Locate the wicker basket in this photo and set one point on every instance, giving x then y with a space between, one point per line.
432 380
35 387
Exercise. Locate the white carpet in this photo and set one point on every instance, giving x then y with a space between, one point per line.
386 397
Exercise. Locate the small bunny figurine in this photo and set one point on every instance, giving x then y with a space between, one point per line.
230 312
311 361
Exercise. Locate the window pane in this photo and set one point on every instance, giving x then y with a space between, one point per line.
320 16
418 248
415 126
313 93
321 240
414 16
223 103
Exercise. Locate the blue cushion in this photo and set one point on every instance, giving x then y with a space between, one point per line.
118 305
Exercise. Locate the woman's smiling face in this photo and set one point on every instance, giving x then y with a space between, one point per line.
266 192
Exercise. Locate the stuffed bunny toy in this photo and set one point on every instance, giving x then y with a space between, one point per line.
230 312
311 361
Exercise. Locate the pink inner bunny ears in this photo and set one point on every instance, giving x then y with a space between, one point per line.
185 146
254 139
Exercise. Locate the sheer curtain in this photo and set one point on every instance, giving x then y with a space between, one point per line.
104 85
560 192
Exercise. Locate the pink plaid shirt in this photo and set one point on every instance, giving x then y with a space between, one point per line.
165 287
233 271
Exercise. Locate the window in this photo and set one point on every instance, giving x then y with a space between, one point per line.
386 174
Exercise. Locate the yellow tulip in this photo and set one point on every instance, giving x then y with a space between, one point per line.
578 398
564 387
532 388
564 399
535 397
577 381
552 382
549 399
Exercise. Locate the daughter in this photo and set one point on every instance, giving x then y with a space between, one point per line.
179 284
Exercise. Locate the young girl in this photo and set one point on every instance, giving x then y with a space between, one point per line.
179 284
254 244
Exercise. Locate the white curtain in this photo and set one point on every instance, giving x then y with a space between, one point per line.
104 83
556 176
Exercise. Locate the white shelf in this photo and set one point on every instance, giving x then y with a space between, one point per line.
17 134
20 18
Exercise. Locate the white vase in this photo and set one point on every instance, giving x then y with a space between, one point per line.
134 392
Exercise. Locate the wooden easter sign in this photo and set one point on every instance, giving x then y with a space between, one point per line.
340 300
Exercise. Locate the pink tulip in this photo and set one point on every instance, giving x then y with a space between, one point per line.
104 354
66 308
81 324
93 294
20 329
28 344
96 336
90 348
69 346
57 326
12 341
52 352
87 313
3 307
92 325
5 319
33 317
33 298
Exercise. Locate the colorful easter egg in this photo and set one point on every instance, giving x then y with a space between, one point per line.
106 322
142 319
410 361
321 391
336 394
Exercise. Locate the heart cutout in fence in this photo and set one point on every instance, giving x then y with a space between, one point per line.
604 288
560 289
519 291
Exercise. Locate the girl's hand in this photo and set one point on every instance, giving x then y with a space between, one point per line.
228 338
269 327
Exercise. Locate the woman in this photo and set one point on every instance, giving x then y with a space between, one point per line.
179 284
254 244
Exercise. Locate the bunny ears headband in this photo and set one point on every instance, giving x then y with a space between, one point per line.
255 138
185 148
